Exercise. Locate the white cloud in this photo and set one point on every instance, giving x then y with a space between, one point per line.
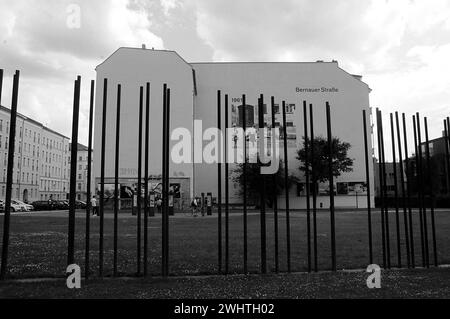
169 5
34 38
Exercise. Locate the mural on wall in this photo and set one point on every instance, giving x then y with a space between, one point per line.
251 114
345 188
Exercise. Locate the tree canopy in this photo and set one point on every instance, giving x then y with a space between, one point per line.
341 161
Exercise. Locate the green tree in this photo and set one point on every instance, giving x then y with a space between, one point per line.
341 162
254 178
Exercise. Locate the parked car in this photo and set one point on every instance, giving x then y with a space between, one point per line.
61 204
80 204
44 205
17 207
28 207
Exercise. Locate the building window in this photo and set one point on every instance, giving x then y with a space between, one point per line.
276 108
290 108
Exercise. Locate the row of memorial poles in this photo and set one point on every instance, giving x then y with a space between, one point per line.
223 261
423 173
167 197
421 169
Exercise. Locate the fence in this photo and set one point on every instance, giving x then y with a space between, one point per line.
400 207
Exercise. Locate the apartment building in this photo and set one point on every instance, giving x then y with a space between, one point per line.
41 160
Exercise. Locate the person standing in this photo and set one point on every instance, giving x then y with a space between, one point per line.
159 204
94 206
194 206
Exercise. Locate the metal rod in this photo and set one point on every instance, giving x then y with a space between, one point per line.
286 187
408 174
227 226
431 192
88 185
331 186
167 174
146 162
307 185
116 180
447 121
164 181
102 179
9 176
1 85
164 178
369 212
314 183
447 158
381 185
422 242
402 187
73 173
422 191
139 185
386 207
275 195
397 215
244 171
219 186
263 186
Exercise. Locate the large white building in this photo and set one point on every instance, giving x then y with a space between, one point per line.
194 97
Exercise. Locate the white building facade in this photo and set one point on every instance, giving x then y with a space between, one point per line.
41 169
194 89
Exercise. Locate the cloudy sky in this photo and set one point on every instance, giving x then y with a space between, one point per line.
401 47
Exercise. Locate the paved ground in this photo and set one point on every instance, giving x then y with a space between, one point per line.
419 283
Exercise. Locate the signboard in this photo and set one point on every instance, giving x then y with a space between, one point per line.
126 191
175 189
152 200
109 190
209 200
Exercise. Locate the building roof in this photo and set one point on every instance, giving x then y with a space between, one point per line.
80 147
23 117
192 64
146 50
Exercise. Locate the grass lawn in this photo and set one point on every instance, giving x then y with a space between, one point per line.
418 283
38 243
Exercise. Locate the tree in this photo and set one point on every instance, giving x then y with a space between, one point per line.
341 161
254 182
